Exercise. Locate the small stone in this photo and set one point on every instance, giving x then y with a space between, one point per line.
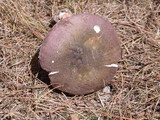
107 89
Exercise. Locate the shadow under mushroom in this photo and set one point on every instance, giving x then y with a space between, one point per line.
42 75
37 70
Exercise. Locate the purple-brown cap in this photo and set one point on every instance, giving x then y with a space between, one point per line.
81 54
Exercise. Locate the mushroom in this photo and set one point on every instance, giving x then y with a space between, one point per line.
62 14
81 54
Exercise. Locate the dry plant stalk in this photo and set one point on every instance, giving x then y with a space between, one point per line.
135 88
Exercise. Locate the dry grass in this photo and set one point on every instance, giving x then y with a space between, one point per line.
135 88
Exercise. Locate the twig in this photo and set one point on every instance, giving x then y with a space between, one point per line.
38 34
29 98
152 61
152 98
116 116
135 53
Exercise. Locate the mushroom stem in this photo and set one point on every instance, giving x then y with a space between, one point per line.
111 65
52 73
64 13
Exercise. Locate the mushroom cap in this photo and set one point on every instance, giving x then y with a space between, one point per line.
81 54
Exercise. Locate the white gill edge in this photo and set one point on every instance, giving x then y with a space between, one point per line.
52 73
111 65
